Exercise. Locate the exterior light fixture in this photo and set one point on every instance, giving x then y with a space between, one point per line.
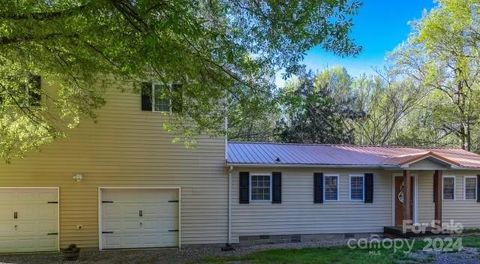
78 177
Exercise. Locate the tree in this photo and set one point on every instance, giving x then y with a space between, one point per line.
215 49
253 118
313 111
443 54
420 128
386 102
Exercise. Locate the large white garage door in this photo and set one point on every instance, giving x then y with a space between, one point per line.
28 220
139 218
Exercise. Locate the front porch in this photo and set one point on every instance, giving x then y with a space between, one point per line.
398 232
406 191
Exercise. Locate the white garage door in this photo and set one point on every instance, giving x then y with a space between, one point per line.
28 220
139 218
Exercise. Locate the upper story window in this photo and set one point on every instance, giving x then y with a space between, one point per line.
161 98
162 101
261 187
470 188
331 187
357 191
449 187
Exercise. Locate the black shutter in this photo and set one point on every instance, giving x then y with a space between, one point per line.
34 90
276 187
478 188
318 187
177 98
244 187
146 96
368 187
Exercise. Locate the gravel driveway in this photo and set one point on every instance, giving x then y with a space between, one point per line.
465 256
164 255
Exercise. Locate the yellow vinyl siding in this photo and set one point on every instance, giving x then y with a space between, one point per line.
298 214
466 212
426 206
127 147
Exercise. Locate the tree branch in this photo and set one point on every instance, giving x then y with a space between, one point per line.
46 15
28 38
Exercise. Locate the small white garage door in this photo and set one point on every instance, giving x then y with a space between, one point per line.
28 219
139 218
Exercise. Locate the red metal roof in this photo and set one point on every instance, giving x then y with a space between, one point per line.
256 153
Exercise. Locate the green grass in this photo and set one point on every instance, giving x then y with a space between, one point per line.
471 241
332 255
311 256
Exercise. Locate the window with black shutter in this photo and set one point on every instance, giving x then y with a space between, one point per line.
369 187
147 96
276 187
244 187
318 187
478 188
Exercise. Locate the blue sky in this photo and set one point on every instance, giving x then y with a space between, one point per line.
379 27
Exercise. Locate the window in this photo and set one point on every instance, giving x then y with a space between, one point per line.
470 188
449 187
261 187
331 187
161 98
356 187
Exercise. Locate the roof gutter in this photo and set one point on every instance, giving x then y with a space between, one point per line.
269 165
341 166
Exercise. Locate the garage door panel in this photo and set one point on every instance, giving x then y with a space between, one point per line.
6 212
139 218
6 244
48 212
35 219
165 224
48 226
113 241
28 211
6 229
41 244
166 238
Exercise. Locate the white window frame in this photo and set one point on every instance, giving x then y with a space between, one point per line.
454 187
465 187
153 97
325 188
250 187
350 187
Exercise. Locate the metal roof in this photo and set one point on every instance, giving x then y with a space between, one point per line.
284 154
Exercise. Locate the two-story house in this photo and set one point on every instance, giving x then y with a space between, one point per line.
121 183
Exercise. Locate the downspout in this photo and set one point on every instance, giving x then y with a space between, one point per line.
228 245
230 205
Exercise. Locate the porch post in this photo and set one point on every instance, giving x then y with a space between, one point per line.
437 195
407 208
